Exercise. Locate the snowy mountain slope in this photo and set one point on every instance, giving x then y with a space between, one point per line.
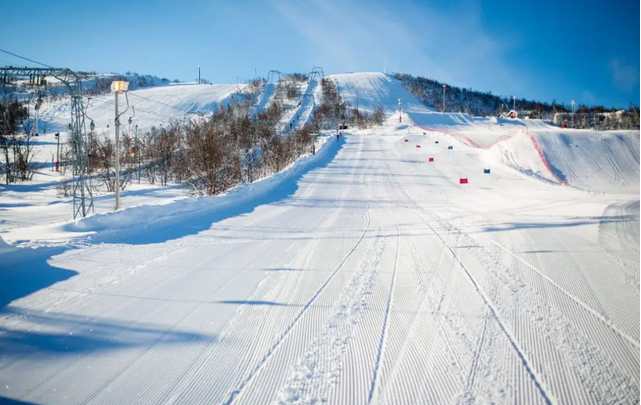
371 90
298 110
308 103
376 277
264 98
591 160
153 105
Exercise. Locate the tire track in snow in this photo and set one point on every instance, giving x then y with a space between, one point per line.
310 379
406 349
187 390
173 276
608 156
289 328
445 325
602 379
373 392
525 361
180 386
573 297
468 395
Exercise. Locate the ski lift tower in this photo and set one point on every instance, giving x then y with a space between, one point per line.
317 73
271 75
82 197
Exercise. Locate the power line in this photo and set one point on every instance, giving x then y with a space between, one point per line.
17 65
112 103
30 60
160 102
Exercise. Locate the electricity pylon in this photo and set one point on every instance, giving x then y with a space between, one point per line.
82 197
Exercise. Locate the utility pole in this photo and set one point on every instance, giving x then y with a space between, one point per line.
6 145
198 74
443 108
117 87
117 154
400 106
58 152
572 102
138 153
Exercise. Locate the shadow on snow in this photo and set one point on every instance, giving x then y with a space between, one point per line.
24 271
88 335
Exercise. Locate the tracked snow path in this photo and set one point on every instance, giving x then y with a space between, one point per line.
377 279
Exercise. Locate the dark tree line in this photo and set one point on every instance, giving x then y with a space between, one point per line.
477 103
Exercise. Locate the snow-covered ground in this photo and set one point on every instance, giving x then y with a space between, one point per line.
364 274
37 203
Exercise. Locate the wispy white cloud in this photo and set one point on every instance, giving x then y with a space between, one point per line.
624 75
356 36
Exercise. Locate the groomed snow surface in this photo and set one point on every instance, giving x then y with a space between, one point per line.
363 274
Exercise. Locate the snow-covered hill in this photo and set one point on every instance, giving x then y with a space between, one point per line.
590 160
151 106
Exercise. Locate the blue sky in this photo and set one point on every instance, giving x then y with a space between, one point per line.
545 50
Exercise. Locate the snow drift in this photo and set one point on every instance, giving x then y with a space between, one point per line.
157 220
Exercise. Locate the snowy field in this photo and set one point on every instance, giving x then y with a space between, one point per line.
363 274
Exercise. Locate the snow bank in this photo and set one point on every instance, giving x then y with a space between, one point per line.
519 153
605 161
117 225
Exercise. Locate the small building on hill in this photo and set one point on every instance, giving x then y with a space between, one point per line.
512 114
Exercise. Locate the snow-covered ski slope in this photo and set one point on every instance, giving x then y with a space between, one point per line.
152 106
591 160
366 275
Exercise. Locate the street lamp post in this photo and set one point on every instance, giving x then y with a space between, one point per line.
572 102
118 87
198 74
